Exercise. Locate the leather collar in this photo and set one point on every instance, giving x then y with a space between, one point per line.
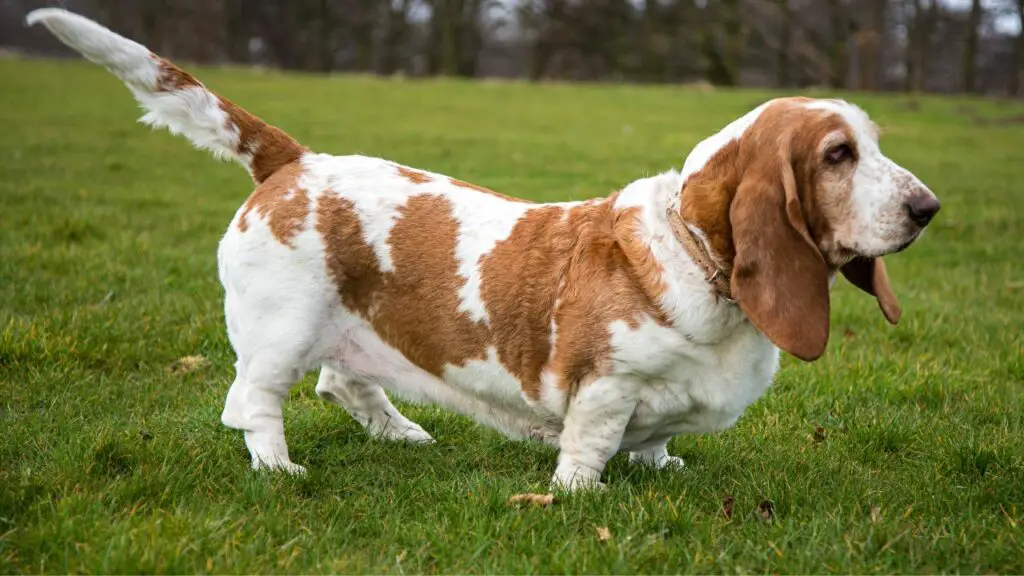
715 274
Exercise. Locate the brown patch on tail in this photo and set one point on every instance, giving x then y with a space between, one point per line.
268 147
280 200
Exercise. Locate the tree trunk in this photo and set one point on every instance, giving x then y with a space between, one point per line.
238 30
912 55
447 13
732 28
971 47
1018 53
325 50
869 40
785 43
837 48
362 23
396 25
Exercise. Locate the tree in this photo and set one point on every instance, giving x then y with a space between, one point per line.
785 43
919 43
1018 52
839 59
971 46
869 37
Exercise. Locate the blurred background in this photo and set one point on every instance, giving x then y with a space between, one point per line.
945 46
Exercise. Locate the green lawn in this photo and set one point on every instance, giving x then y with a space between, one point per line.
111 462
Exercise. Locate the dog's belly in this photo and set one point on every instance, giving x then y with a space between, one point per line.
481 389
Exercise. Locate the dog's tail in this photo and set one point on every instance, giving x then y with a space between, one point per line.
175 100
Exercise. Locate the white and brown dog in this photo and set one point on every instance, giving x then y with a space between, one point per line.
598 326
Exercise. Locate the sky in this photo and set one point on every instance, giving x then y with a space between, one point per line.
1004 24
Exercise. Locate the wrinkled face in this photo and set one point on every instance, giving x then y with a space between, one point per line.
865 204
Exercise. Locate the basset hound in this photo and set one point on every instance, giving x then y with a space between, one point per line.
600 326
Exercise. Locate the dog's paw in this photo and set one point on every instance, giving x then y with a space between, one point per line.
415 436
400 432
657 460
567 479
671 462
279 466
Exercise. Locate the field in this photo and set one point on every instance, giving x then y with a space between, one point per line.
900 451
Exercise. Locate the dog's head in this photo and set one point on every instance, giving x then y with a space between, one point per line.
793 192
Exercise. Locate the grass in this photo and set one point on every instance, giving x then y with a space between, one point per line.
900 451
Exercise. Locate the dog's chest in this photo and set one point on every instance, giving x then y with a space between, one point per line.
695 388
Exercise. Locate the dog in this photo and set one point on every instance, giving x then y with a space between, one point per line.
607 325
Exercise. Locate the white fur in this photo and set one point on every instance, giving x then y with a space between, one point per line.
192 112
697 374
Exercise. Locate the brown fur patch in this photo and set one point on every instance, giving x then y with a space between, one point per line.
707 196
644 266
564 265
600 287
519 286
269 147
559 265
470 186
281 202
415 307
414 176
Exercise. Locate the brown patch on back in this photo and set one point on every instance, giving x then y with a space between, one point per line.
565 265
269 147
414 176
600 288
519 286
281 202
558 264
470 186
415 307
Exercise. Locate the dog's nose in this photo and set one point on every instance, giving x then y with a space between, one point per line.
922 208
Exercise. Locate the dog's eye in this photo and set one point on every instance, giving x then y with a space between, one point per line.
838 154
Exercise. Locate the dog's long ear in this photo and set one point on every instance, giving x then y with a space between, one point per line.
869 275
779 277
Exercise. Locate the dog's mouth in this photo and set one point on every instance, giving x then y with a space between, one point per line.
847 254
913 238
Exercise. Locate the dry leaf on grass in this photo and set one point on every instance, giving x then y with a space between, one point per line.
186 364
727 505
532 499
604 534
876 515
766 511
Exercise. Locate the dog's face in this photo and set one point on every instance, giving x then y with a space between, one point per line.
807 192
860 203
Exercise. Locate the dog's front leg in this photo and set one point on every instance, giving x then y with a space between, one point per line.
592 431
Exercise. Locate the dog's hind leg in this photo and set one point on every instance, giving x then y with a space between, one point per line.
274 347
254 405
370 406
